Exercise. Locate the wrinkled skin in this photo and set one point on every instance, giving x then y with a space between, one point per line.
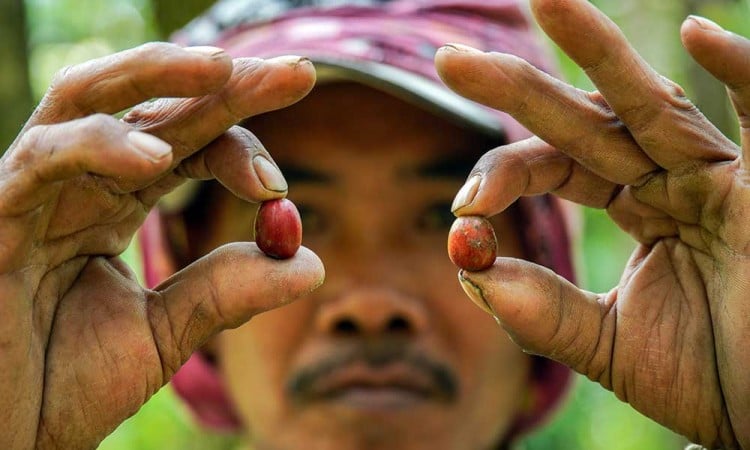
671 337
82 344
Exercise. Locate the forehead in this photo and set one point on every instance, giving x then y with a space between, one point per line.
344 123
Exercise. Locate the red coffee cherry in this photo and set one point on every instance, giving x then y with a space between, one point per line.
278 228
472 244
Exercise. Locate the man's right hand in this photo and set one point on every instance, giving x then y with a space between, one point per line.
82 344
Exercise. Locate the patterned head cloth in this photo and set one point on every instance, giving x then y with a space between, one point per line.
388 45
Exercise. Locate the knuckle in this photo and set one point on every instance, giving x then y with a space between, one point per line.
246 138
63 78
602 111
244 134
671 88
495 159
97 122
166 336
33 139
519 69
96 129
68 86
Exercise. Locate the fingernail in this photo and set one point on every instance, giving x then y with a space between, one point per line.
460 48
153 147
206 50
475 293
467 193
704 23
290 60
269 175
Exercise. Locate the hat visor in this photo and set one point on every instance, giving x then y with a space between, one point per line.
415 89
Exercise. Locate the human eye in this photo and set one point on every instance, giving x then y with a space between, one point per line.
313 220
436 217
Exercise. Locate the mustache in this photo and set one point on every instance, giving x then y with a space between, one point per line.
375 354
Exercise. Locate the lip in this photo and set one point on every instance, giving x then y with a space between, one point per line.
394 386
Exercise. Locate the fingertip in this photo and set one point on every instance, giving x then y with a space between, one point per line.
209 52
455 47
702 23
466 195
454 62
297 73
548 14
699 34
310 262
503 286
271 84
301 274
689 30
474 292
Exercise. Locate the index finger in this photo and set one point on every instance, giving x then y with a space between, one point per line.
115 82
668 127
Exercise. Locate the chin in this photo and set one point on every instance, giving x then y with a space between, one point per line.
361 436
337 426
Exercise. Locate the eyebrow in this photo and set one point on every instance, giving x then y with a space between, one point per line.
455 166
459 162
299 174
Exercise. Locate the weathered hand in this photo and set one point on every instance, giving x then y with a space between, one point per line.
82 344
670 338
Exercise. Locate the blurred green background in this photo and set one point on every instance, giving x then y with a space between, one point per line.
41 36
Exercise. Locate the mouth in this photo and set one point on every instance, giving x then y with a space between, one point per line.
372 377
359 386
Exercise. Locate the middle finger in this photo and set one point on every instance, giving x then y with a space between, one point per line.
256 86
669 128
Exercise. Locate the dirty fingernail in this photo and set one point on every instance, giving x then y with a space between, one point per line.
460 48
467 193
151 146
291 60
269 175
475 293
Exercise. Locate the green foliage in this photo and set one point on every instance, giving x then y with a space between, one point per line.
164 424
66 32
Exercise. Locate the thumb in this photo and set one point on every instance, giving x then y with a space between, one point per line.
224 289
545 314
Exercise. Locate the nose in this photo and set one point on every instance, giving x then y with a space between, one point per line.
372 311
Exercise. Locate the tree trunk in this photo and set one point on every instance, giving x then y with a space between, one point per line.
15 90
174 14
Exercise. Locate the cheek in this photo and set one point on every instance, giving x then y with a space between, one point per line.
255 359
494 372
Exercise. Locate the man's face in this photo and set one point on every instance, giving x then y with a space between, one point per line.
388 353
